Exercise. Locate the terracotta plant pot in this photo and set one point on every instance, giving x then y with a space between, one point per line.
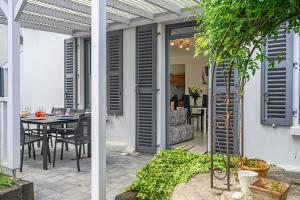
266 189
262 170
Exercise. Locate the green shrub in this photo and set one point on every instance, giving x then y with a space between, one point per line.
167 169
6 181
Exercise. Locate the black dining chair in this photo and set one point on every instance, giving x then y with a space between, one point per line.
175 98
190 115
52 129
81 135
29 139
204 105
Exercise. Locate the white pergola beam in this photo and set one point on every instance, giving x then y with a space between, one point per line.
84 9
53 22
117 18
129 9
4 7
19 8
98 100
13 103
166 5
57 13
46 28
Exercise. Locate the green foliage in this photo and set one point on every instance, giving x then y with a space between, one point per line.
235 31
6 181
158 178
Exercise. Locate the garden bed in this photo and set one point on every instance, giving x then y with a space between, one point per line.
168 169
11 189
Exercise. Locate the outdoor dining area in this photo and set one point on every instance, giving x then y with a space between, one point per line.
64 127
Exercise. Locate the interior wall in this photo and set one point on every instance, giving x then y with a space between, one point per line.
193 69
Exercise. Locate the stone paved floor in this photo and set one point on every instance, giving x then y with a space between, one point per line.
63 182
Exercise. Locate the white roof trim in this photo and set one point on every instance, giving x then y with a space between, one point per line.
19 8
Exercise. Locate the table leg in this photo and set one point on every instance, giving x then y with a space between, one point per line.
205 120
45 147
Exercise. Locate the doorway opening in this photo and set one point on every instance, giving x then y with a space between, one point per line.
187 88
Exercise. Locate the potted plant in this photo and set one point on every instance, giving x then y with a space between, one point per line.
267 189
256 165
195 93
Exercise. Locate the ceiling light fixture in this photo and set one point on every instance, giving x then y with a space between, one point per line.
187 47
172 43
181 44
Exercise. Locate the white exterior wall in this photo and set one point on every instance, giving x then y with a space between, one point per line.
275 145
42 68
120 130
3 44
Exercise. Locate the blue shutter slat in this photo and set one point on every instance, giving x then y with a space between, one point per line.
277 83
115 72
70 73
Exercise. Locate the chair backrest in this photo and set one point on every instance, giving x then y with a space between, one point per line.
83 126
205 101
187 105
175 101
58 110
74 111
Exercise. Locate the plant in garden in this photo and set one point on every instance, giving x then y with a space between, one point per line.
158 178
6 181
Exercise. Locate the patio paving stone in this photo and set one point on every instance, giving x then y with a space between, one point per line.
63 182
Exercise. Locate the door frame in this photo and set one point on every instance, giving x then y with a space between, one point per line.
169 37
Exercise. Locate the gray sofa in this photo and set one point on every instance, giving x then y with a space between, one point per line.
180 131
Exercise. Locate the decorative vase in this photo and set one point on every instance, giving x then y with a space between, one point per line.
195 101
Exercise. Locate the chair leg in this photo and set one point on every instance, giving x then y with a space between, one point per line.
54 155
67 147
77 157
62 150
22 158
84 149
33 151
80 150
29 150
51 141
49 156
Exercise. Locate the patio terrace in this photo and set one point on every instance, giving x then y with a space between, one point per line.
63 182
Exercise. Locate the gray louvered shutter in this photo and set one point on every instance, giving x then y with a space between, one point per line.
219 111
146 98
115 72
277 83
71 73
1 82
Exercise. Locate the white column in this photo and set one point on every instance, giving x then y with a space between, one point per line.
161 82
98 99
13 104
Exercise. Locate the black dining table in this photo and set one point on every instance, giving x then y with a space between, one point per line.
45 123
